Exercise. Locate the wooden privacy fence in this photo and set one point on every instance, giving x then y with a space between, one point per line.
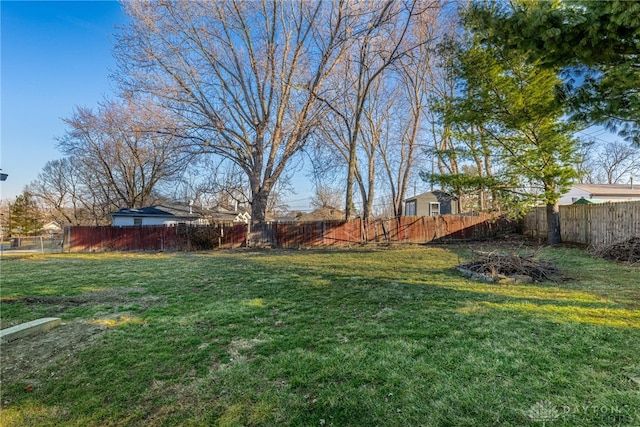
152 238
592 224
396 230
288 235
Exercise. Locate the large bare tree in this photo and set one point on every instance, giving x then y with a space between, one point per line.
123 150
239 76
61 191
616 163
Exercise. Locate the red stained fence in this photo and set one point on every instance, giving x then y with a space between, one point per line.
153 238
288 235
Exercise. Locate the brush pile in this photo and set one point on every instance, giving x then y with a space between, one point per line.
624 251
508 268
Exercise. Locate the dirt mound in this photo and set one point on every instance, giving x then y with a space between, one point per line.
505 268
624 251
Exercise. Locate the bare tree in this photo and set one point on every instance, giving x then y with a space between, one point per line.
326 196
123 151
240 76
213 181
60 191
616 162
381 41
413 72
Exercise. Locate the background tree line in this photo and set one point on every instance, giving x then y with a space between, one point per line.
221 101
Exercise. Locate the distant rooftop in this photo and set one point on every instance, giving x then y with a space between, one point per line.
610 189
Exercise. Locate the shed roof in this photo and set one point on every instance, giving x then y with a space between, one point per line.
438 194
585 201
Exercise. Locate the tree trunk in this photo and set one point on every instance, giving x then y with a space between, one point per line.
258 235
259 206
553 224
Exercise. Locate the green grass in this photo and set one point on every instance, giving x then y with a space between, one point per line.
344 338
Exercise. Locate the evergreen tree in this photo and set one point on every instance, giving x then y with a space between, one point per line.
25 216
513 106
597 44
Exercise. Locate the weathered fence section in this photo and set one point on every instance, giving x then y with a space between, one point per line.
152 238
288 235
592 224
396 230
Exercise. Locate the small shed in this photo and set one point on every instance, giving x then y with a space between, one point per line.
432 203
585 201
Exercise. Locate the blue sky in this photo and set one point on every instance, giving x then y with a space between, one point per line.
55 55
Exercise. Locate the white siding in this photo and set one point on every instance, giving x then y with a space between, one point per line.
122 221
573 195
128 221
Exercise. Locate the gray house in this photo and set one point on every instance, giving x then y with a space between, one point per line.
431 204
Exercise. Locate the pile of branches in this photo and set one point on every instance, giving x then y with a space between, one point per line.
624 251
495 265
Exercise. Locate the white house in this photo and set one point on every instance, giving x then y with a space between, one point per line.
177 213
158 215
52 228
228 216
602 193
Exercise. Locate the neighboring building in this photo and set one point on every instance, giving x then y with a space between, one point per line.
432 203
52 228
325 213
178 213
229 216
158 215
601 192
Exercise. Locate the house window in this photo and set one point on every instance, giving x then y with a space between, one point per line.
137 221
410 208
434 208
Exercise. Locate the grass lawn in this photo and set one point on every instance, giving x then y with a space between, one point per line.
311 338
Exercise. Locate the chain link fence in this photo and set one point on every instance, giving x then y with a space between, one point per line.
49 243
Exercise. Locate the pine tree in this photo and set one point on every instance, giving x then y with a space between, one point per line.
597 44
25 216
513 104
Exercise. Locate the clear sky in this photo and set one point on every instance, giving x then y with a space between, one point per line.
55 55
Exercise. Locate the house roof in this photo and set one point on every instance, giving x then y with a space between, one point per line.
323 213
184 211
609 189
52 226
441 195
225 214
162 211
